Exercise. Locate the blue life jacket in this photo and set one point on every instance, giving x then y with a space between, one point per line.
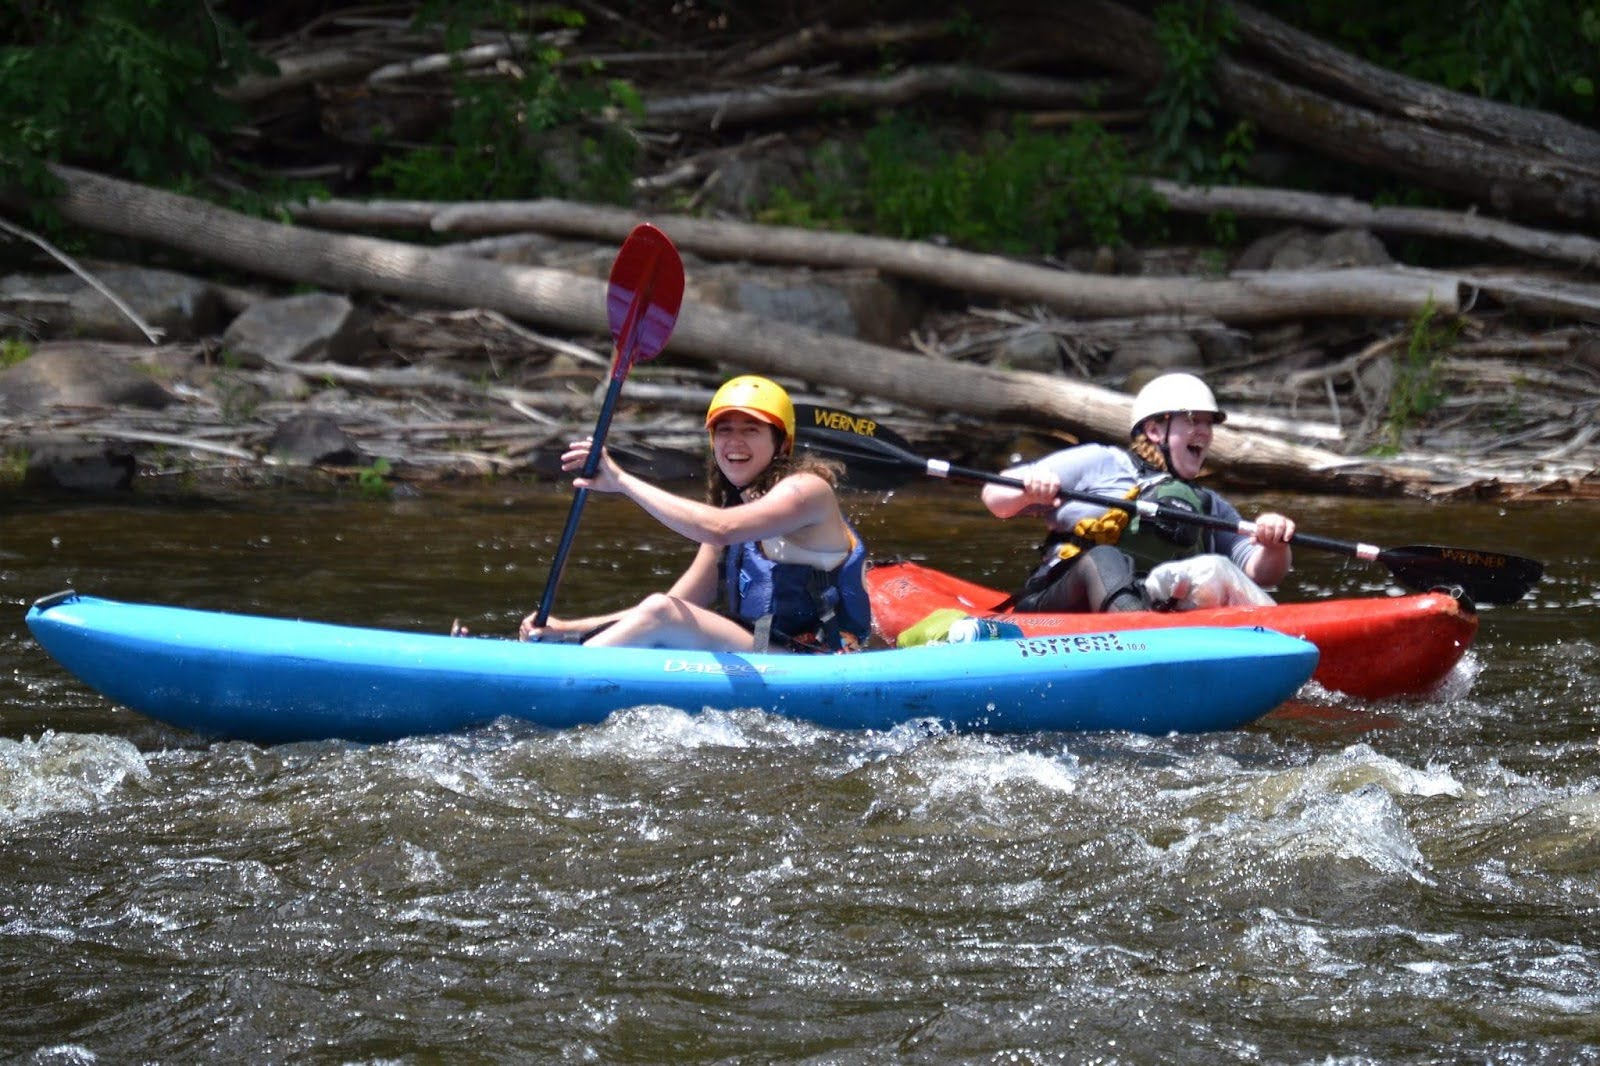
808 608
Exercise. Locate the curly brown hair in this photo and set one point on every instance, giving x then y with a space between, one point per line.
720 492
1148 453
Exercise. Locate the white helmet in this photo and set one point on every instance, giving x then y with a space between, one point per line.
1171 393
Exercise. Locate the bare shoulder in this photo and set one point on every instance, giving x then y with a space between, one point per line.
805 483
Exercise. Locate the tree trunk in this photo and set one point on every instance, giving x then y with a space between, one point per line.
1241 298
1289 205
959 84
821 38
1319 64
574 303
299 71
1502 178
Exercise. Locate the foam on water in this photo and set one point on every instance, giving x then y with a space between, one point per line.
1340 808
1530 829
1279 941
63 772
986 769
666 732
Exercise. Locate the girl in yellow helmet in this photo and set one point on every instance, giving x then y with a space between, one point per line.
774 545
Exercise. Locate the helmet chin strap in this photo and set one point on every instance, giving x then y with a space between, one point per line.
1166 445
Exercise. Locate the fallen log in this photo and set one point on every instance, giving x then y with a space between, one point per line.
1526 182
828 40
1240 298
743 107
299 71
556 298
1335 212
1534 295
1320 64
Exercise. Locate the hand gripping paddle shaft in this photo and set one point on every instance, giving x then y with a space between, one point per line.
642 301
1484 576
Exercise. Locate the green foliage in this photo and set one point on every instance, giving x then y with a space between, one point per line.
538 132
1021 191
1186 138
829 196
371 480
13 466
121 85
13 351
1237 147
962 25
461 17
237 397
1533 53
1418 387
266 195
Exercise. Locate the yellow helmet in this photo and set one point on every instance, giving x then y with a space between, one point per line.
757 397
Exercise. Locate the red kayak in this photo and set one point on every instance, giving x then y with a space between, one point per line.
1373 647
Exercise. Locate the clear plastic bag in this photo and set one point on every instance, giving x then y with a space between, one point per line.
1202 581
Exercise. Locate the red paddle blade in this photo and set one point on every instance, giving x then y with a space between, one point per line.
645 293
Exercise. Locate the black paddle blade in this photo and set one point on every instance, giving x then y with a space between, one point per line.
1485 577
876 458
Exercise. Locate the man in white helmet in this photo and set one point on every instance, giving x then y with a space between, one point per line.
1095 558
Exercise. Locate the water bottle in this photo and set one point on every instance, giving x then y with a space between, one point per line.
968 630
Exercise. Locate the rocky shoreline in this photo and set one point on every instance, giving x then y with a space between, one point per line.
1364 344
251 387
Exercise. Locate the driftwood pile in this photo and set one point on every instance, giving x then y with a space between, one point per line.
1312 358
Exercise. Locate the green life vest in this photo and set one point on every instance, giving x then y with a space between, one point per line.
1154 540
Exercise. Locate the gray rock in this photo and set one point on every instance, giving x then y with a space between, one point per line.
1039 352
80 467
743 185
1302 249
1219 346
312 440
310 328
1587 352
78 375
852 303
1353 248
1155 351
64 305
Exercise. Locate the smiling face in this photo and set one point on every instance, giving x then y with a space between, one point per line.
1187 435
744 446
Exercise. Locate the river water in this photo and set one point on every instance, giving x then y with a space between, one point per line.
1342 882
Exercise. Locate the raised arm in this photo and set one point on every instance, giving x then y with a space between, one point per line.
795 503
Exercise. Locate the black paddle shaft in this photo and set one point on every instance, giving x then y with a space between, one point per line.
646 278
1484 577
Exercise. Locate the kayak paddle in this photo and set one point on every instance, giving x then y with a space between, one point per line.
1485 577
642 301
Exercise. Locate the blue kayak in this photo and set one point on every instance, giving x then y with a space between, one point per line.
273 680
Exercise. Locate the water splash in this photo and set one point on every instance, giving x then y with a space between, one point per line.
63 772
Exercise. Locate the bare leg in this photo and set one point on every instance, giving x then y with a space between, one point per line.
662 621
